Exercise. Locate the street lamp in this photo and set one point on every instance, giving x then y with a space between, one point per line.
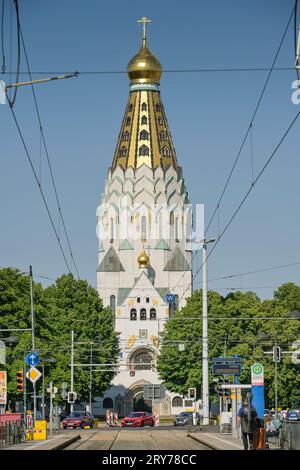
205 384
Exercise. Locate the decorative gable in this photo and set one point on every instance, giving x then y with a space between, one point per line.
111 262
177 262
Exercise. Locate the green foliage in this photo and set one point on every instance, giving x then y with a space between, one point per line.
183 369
68 304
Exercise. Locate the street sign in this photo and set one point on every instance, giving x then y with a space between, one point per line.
257 374
2 352
33 374
3 387
64 394
32 359
226 369
64 385
170 297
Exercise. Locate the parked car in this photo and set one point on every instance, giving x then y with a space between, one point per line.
138 419
78 419
293 415
185 417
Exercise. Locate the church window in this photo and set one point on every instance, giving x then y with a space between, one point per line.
143 150
162 135
138 300
126 135
144 107
157 107
147 300
144 120
123 151
128 121
130 107
166 151
152 314
143 314
144 358
177 401
112 304
143 228
144 135
159 120
176 230
133 314
176 302
108 403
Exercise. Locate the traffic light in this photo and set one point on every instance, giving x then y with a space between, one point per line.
72 396
276 354
192 393
20 381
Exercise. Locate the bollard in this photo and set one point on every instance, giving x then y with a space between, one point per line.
156 419
107 418
116 419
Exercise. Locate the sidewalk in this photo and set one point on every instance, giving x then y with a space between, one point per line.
221 441
54 443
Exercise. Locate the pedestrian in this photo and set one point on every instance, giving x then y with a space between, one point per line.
247 418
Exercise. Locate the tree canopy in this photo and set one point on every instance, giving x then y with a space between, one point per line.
239 324
66 305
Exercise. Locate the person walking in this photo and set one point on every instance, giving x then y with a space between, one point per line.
247 418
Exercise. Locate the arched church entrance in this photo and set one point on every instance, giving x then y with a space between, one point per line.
134 399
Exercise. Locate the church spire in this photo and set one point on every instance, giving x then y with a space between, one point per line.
144 137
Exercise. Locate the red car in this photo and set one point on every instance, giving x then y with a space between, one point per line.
78 419
138 419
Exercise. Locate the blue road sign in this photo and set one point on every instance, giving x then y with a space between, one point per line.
170 298
32 359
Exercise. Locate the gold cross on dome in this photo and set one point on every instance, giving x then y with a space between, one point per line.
144 20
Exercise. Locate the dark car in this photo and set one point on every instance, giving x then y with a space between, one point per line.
185 417
293 415
138 419
78 419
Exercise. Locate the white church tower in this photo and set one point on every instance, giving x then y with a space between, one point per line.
144 229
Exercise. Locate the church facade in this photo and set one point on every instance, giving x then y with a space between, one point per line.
144 230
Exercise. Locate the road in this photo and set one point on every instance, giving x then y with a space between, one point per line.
136 439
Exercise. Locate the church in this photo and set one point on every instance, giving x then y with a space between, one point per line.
144 224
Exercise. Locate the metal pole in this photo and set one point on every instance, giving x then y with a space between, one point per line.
51 408
276 380
205 388
91 362
72 368
25 398
32 338
43 397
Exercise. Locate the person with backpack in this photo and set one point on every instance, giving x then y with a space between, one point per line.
247 418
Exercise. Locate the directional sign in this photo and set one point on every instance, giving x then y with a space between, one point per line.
170 297
32 359
228 360
33 374
257 374
64 385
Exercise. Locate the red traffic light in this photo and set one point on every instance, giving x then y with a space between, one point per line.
20 381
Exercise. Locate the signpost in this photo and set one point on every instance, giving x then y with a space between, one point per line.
257 383
33 374
32 359
3 388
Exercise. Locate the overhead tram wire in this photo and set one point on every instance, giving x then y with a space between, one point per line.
47 155
40 188
191 70
243 142
247 195
295 36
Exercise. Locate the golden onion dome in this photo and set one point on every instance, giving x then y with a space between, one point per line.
143 259
144 67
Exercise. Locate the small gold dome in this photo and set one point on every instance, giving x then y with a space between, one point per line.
144 67
143 259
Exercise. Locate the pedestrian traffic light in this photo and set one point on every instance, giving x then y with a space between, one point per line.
20 381
72 396
192 393
276 354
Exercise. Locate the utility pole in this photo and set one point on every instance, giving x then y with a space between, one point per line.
51 407
32 338
91 362
72 368
276 379
205 383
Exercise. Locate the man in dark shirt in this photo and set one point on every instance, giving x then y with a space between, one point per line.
247 419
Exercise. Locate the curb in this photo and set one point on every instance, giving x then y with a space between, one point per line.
64 444
211 446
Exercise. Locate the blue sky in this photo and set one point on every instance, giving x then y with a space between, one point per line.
208 115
